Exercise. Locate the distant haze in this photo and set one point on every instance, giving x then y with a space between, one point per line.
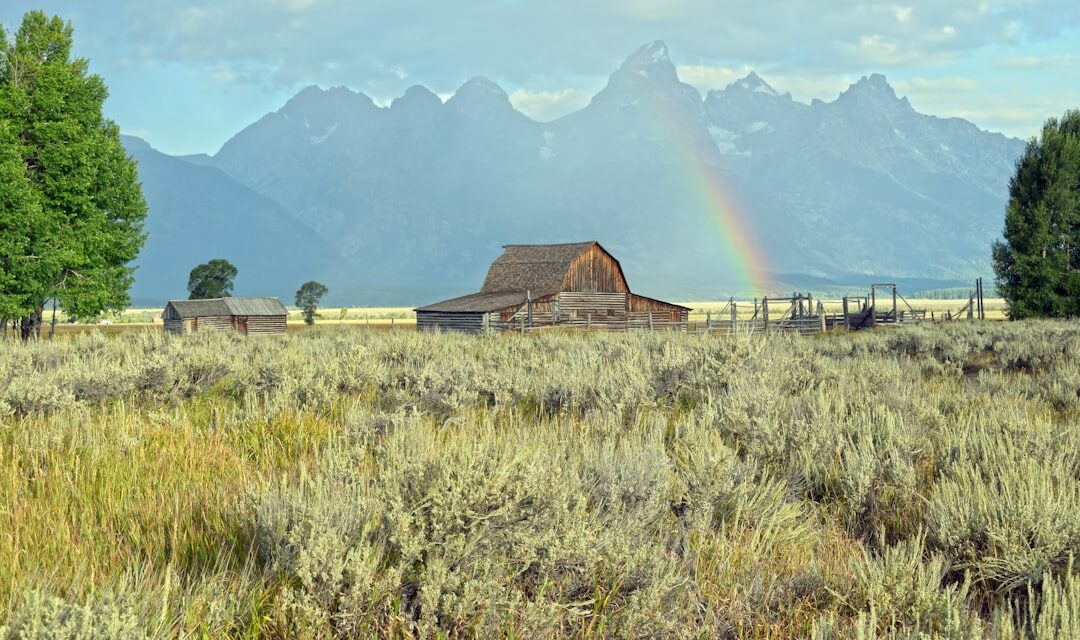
406 203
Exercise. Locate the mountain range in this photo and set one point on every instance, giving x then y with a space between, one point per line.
410 202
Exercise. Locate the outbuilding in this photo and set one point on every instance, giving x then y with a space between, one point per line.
571 285
249 316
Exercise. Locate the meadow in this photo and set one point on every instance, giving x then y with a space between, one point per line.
148 319
343 483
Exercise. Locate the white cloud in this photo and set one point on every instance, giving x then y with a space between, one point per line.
903 14
951 84
1040 62
545 106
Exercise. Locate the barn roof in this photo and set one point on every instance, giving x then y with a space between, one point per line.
228 307
539 268
479 302
663 302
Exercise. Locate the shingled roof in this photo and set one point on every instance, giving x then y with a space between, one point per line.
479 302
539 268
229 307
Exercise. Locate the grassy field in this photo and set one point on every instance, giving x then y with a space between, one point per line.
913 483
404 317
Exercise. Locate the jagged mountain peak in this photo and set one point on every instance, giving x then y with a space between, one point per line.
650 62
416 97
480 93
754 83
314 96
872 89
652 53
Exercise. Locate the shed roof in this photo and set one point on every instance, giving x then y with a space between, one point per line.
539 268
479 302
248 306
663 302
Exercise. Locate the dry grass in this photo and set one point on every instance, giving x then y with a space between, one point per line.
339 483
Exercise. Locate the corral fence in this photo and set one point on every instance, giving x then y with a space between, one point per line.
588 321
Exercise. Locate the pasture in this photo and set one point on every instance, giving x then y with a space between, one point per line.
148 319
342 483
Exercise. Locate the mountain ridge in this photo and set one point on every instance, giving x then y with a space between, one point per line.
419 194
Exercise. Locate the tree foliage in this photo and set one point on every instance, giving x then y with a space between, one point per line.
211 280
1038 262
71 208
308 297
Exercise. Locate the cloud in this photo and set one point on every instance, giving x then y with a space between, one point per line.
545 106
1040 62
951 84
432 41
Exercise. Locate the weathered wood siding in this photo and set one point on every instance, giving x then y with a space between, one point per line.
574 304
595 270
466 322
265 325
214 323
174 325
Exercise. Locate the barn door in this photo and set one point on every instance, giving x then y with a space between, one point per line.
193 325
241 325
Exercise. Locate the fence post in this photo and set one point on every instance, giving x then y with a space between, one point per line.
765 313
971 307
821 316
588 321
650 321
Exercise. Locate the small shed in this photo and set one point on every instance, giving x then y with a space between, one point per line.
573 285
249 316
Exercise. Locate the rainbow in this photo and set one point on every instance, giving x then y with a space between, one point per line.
725 215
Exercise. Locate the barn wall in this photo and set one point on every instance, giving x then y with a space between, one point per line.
595 271
470 322
215 323
265 325
574 304
175 326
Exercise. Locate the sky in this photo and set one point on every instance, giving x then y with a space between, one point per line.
187 76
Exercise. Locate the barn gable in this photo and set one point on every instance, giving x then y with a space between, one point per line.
553 284
549 268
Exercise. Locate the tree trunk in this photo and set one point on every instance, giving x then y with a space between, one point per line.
31 325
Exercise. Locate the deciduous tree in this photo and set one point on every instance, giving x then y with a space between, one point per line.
77 209
308 297
1038 262
211 280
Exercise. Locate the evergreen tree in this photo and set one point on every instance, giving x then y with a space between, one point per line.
211 280
1038 262
82 207
308 297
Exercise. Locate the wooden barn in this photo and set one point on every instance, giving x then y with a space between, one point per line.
249 316
572 285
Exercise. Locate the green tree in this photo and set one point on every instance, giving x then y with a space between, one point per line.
211 280
78 209
308 297
1037 264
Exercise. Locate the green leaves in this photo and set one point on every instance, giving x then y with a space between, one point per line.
1038 263
73 210
308 297
211 280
